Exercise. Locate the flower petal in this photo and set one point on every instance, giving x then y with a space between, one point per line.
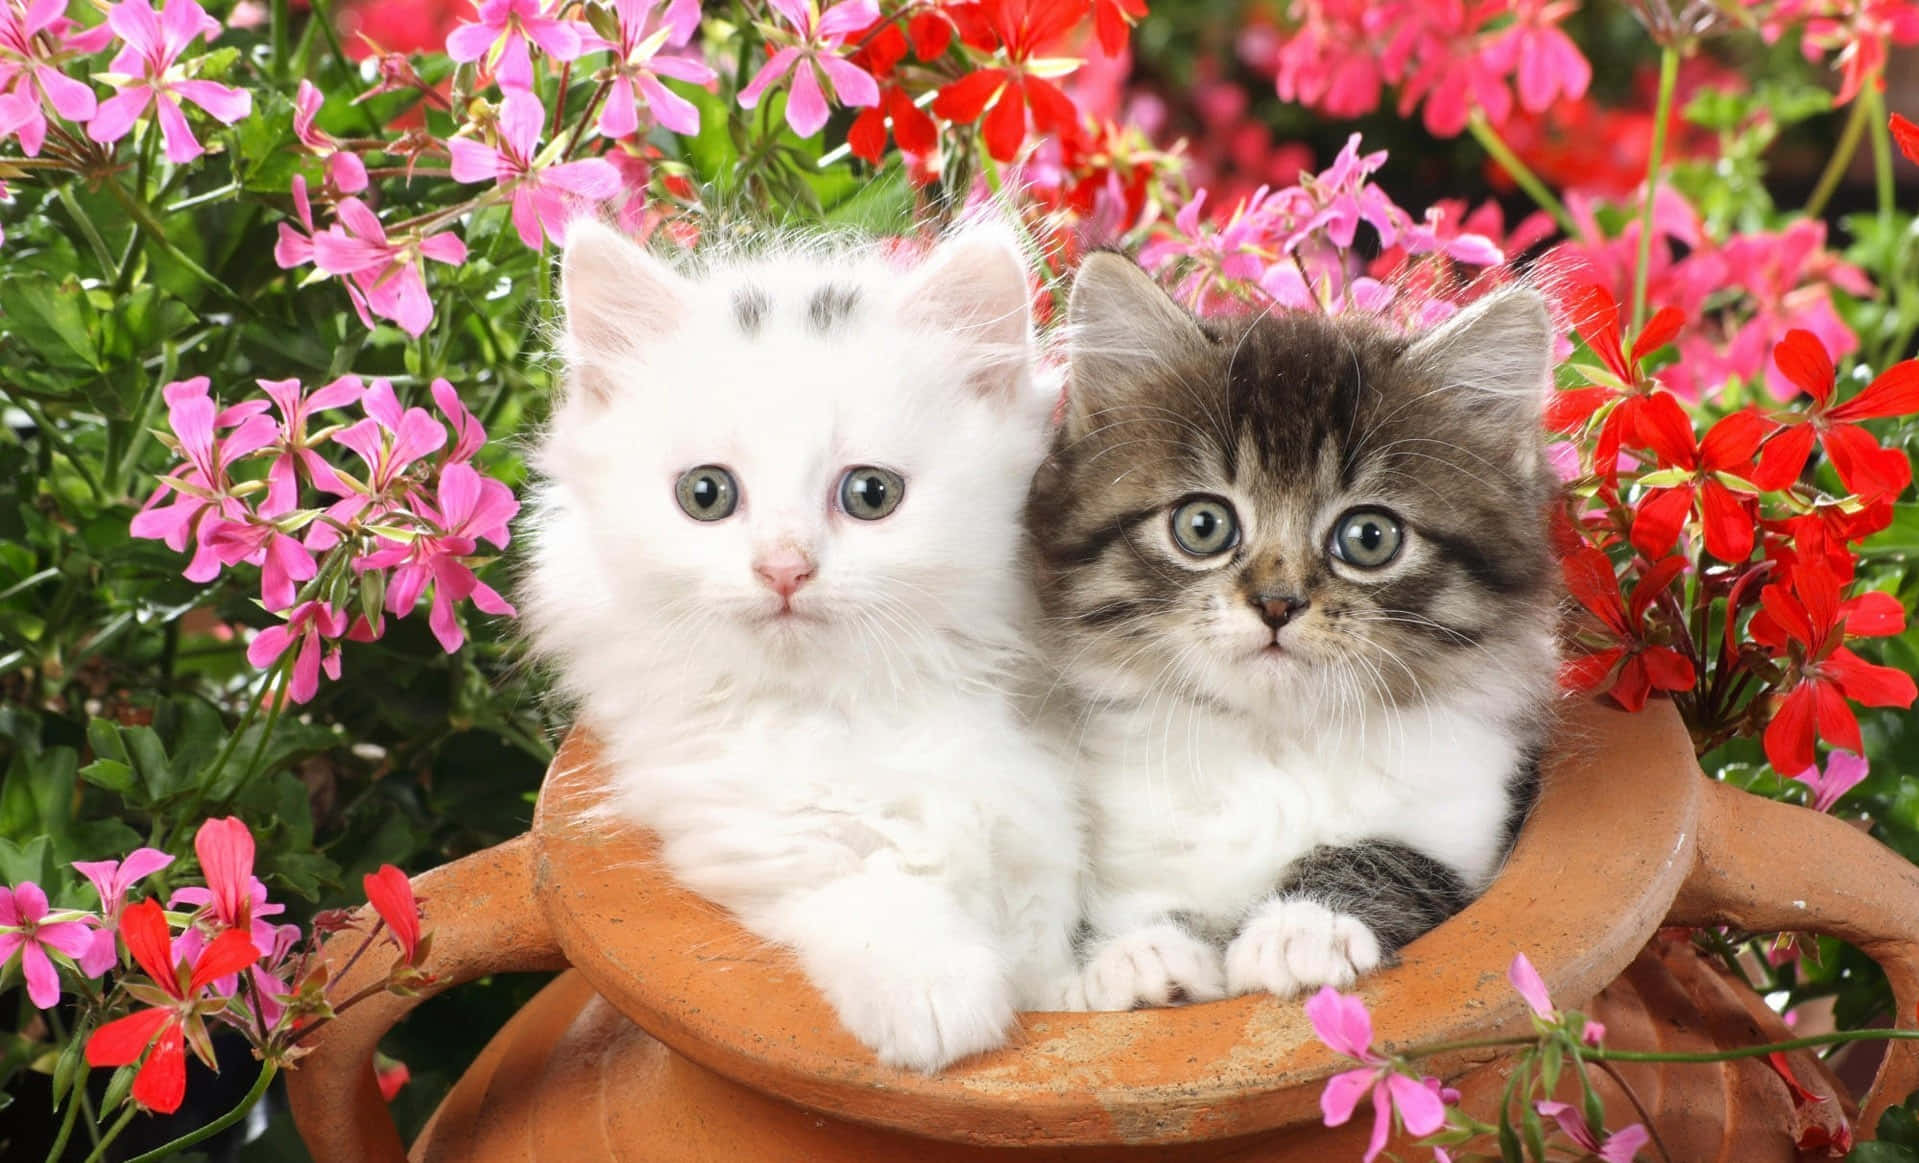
1531 987
123 1040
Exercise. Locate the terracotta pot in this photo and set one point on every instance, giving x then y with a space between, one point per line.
730 1055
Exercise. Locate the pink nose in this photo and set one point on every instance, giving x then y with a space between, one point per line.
784 571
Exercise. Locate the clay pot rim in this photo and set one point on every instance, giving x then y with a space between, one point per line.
1596 869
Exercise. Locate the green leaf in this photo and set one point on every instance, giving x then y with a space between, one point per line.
111 774
54 319
31 861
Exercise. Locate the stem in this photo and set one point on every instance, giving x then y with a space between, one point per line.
1840 161
101 255
113 1132
59 1149
157 234
1882 169
1811 1040
283 674
1662 112
82 1101
1490 141
59 444
1645 1119
267 1072
246 720
282 36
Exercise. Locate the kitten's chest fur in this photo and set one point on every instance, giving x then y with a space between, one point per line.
1202 809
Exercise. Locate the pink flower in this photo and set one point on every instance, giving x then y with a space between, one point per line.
25 929
386 272
295 247
1329 63
821 34
388 441
24 36
1527 981
544 197
296 449
281 559
502 35
1343 1024
468 436
1619 1147
1456 72
470 507
312 625
112 878
1549 65
225 849
1843 772
640 60
344 169
204 484
146 73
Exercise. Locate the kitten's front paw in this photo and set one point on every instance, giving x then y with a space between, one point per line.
1291 946
1154 966
949 1004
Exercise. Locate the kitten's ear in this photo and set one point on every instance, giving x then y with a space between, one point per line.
1499 352
1117 317
617 297
974 285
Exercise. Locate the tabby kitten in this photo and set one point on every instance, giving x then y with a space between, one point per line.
1298 577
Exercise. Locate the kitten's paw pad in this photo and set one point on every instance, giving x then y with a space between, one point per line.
1155 966
952 1004
1292 946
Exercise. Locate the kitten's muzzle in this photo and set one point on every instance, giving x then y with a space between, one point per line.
1277 609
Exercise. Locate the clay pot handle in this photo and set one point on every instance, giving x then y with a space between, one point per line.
483 918
1764 866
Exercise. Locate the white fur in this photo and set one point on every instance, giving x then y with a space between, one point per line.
1197 808
853 782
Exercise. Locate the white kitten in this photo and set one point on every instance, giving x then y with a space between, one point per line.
777 564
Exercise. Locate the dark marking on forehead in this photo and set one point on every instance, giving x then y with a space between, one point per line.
749 308
1085 550
831 305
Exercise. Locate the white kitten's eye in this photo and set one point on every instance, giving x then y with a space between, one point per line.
707 493
870 493
1205 526
1367 538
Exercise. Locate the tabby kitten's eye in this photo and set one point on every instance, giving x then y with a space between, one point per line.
1367 538
869 493
707 493
1205 526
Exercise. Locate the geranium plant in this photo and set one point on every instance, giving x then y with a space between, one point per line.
274 270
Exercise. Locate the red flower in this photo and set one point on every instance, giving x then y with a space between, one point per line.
1803 619
1114 20
1624 382
391 895
391 1074
1866 468
176 1011
1647 667
912 128
1712 475
1907 135
1023 28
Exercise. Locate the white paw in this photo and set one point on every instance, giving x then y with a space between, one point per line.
1292 946
1155 966
950 1004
